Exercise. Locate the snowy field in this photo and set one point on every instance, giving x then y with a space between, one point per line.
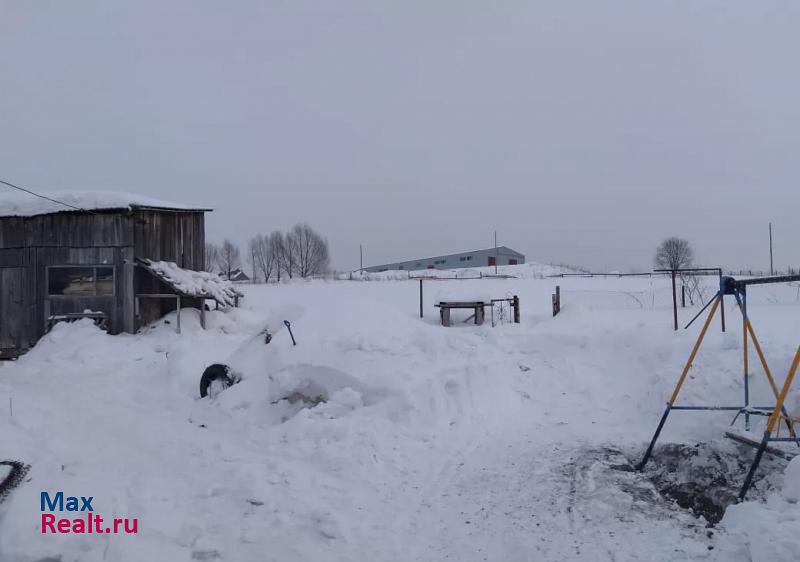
466 443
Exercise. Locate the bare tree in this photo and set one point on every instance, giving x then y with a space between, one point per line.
290 250
674 253
252 257
311 250
277 247
228 259
695 288
262 256
301 252
211 257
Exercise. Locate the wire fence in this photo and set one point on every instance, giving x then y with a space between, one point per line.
659 296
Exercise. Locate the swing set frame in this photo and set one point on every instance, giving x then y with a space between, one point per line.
776 412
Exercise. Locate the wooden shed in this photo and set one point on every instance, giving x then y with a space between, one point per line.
79 258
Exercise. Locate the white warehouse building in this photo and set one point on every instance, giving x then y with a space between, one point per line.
502 255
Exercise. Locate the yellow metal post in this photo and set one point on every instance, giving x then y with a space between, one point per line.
773 420
776 413
762 357
694 352
748 328
678 386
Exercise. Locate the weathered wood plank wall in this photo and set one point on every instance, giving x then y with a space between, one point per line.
115 238
175 237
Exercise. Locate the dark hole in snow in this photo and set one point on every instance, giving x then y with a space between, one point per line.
702 478
310 400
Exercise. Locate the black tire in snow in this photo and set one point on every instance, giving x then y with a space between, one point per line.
13 478
215 372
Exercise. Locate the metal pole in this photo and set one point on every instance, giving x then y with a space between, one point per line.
361 259
771 269
721 301
558 297
495 252
745 360
674 302
420 298
705 306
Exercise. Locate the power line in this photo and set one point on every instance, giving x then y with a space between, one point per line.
28 191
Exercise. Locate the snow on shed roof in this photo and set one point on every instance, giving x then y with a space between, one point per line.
190 283
13 204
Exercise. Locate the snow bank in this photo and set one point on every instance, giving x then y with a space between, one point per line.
791 481
768 532
25 205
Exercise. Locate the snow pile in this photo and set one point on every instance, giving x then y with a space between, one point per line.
195 283
791 481
14 204
769 531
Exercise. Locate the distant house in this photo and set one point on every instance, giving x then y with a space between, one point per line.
118 258
502 255
236 276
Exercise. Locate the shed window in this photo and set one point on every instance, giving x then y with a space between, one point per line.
80 281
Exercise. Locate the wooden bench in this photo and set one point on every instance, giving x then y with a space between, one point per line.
99 318
479 308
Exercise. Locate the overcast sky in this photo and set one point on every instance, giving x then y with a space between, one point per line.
584 132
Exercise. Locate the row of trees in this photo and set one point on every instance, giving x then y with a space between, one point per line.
300 252
222 259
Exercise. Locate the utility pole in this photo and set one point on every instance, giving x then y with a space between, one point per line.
495 252
771 268
361 258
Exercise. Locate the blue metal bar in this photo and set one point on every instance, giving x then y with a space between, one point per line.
731 408
701 310
749 479
649 451
740 293
764 280
742 289
746 375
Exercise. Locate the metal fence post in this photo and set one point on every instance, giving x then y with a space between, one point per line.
420 298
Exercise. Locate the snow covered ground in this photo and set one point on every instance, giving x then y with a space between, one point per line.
463 443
